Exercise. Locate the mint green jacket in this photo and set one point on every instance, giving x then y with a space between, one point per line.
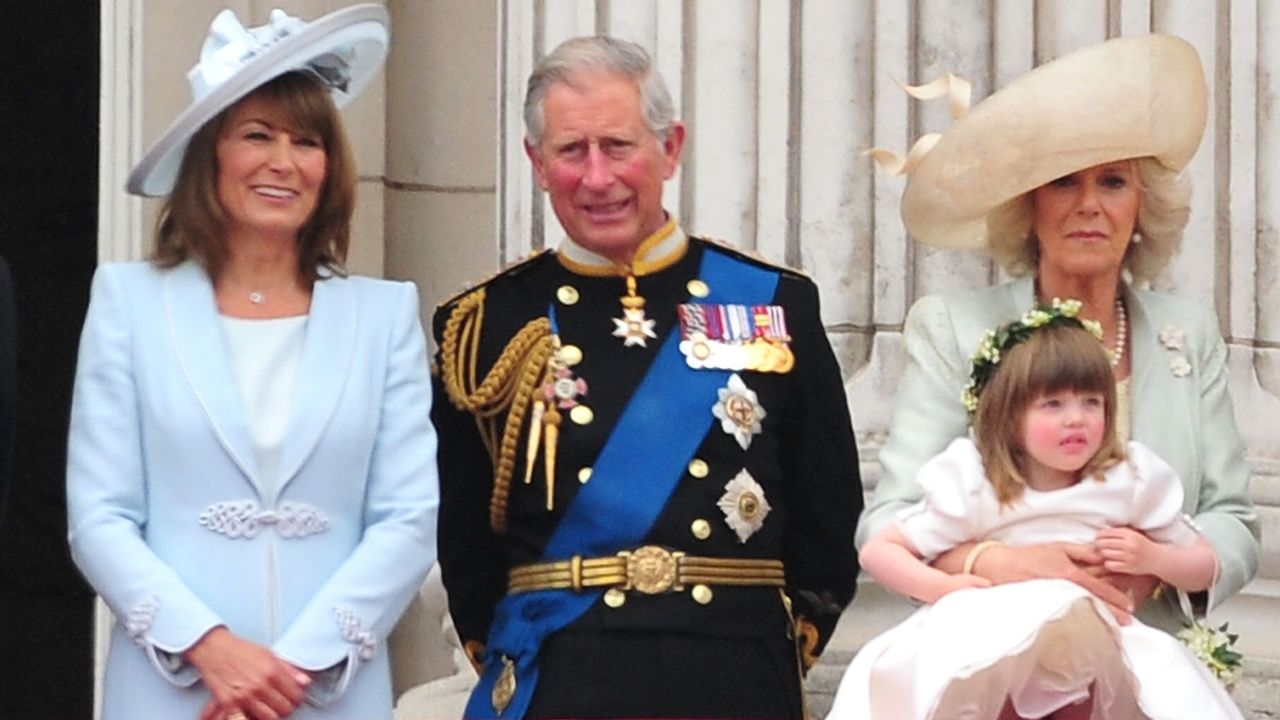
1181 410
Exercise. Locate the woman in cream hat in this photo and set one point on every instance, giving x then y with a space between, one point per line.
1071 178
251 475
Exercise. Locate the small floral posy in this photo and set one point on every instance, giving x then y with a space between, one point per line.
997 341
1215 647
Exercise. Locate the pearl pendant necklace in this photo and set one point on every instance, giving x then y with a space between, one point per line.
257 297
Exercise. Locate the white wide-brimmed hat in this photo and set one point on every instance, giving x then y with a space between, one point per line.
1124 98
344 49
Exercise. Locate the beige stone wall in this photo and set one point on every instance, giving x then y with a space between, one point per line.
441 158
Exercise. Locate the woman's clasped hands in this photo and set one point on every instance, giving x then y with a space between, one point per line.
247 680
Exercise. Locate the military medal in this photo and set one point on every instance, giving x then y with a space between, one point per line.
739 411
744 505
564 388
633 327
735 337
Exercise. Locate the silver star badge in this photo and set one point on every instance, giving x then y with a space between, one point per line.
633 327
739 411
744 505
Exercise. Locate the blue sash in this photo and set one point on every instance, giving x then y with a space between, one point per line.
630 486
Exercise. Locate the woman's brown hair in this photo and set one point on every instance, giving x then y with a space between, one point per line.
192 223
1056 357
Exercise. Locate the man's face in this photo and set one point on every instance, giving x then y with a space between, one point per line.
601 165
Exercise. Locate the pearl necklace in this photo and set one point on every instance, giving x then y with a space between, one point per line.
1122 331
257 297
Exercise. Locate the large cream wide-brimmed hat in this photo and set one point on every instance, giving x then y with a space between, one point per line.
1124 98
344 49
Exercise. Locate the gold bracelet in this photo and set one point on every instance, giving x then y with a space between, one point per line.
977 550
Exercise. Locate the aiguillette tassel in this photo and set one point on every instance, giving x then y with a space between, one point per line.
535 435
551 422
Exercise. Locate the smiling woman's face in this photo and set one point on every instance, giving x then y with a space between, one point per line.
1085 221
269 174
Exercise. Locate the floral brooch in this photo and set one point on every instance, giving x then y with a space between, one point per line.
1172 337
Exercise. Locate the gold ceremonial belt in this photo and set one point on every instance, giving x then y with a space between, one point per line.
650 570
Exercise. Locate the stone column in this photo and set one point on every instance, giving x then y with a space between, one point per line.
441 154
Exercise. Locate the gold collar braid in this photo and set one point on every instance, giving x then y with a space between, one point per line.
508 387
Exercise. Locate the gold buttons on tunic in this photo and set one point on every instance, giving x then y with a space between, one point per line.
570 354
582 415
701 529
584 475
614 598
567 294
701 594
698 468
697 288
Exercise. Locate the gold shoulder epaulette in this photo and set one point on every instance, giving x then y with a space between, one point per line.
752 255
516 266
507 387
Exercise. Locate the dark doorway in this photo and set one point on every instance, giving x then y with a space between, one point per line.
48 234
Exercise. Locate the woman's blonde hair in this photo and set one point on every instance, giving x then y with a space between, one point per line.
1162 216
1054 358
192 222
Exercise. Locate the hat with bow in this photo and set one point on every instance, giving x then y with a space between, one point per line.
1129 97
344 49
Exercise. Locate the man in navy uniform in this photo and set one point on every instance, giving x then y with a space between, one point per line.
649 482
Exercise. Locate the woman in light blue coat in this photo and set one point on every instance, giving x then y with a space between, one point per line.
1071 178
251 475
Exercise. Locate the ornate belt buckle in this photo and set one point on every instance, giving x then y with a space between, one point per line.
652 570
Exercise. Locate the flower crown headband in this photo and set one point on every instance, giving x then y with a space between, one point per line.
997 341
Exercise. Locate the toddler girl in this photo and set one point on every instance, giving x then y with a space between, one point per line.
1044 465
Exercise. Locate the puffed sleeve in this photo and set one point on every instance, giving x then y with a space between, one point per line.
927 412
1157 498
106 490
1224 511
946 515
372 587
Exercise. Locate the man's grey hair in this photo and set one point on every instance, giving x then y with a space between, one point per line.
598 54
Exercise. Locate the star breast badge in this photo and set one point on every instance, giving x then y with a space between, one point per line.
739 411
744 505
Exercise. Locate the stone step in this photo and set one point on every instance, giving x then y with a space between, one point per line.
1252 613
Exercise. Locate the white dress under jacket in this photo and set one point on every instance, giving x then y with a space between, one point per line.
173 524
1040 642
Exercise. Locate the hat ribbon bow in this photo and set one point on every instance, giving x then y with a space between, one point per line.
230 46
958 92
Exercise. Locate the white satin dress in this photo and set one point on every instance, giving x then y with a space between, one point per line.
1042 643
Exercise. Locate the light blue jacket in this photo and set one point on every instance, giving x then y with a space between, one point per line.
172 525
1184 414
